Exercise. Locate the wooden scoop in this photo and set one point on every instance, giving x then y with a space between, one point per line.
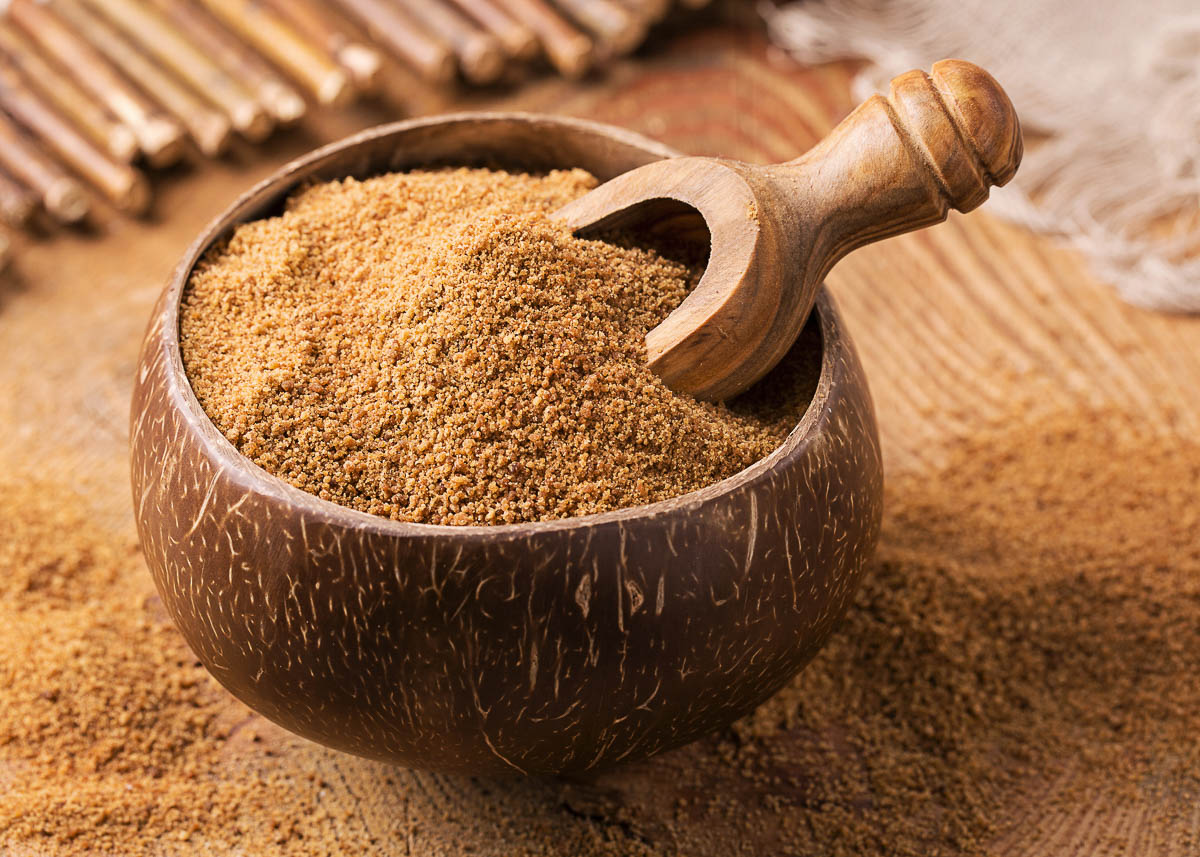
893 165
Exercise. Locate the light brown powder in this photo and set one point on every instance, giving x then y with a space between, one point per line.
115 742
109 727
432 347
1024 646
1025 643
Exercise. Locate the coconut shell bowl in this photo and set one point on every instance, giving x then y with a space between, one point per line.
544 648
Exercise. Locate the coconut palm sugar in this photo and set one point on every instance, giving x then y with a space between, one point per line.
110 729
1016 676
115 741
432 347
1018 672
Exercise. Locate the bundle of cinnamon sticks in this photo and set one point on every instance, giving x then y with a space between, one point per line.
92 92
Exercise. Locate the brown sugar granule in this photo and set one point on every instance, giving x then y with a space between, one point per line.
1018 673
115 742
1024 648
432 347
109 727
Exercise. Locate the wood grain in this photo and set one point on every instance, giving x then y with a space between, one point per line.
65 95
155 36
893 165
159 138
60 195
124 186
209 129
285 47
283 102
972 314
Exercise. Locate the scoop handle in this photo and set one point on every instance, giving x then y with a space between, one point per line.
895 164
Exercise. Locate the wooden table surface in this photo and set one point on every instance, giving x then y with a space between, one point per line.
949 322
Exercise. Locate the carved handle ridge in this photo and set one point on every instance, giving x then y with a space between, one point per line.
963 125
938 141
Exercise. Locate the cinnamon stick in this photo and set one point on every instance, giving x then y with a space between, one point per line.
316 23
480 54
160 40
570 51
17 204
121 184
518 40
274 93
618 30
160 138
209 128
60 194
68 98
276 39
405 38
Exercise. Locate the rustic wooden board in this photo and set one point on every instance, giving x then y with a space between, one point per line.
947 323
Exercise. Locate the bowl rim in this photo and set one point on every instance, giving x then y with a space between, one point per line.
253 478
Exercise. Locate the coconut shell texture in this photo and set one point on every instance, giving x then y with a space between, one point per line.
536 648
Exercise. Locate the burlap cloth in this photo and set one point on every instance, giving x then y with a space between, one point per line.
953 325
1108 92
